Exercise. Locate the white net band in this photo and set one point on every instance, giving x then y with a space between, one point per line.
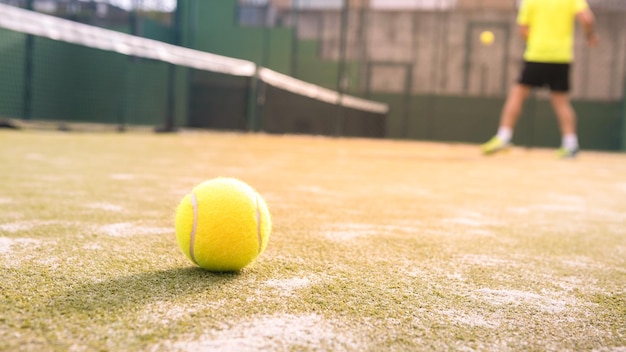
313 91
55 28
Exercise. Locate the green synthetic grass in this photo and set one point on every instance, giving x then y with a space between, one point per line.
377 245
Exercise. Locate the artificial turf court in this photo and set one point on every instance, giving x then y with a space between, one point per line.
377 245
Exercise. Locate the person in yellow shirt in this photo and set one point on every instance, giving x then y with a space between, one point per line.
548 28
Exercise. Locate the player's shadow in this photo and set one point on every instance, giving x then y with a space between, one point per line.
123 293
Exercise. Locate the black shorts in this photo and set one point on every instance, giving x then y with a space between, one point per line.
541 74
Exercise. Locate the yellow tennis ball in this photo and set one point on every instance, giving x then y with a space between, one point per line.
487 37
223 224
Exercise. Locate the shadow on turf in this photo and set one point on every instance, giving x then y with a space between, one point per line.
139 289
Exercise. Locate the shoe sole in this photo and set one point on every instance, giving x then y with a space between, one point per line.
496 151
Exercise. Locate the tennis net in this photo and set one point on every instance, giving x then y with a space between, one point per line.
60 70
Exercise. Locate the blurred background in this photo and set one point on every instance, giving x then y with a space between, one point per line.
422 58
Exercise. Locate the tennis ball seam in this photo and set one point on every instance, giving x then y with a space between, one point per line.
192 236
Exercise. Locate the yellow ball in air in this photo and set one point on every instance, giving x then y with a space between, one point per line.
487 37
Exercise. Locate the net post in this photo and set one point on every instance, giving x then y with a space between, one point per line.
341 111
29 46
256 91
623 109
623 144
341 70
254 101
295 14
168 123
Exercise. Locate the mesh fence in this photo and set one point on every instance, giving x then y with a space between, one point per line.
53 68
411 54
146 18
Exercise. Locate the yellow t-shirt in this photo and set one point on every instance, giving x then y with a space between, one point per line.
551 29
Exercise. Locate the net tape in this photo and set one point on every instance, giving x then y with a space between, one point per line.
29 22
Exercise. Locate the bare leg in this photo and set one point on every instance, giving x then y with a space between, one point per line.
513 106
564 112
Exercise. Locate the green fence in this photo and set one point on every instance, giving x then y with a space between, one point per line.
66 82
428 64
